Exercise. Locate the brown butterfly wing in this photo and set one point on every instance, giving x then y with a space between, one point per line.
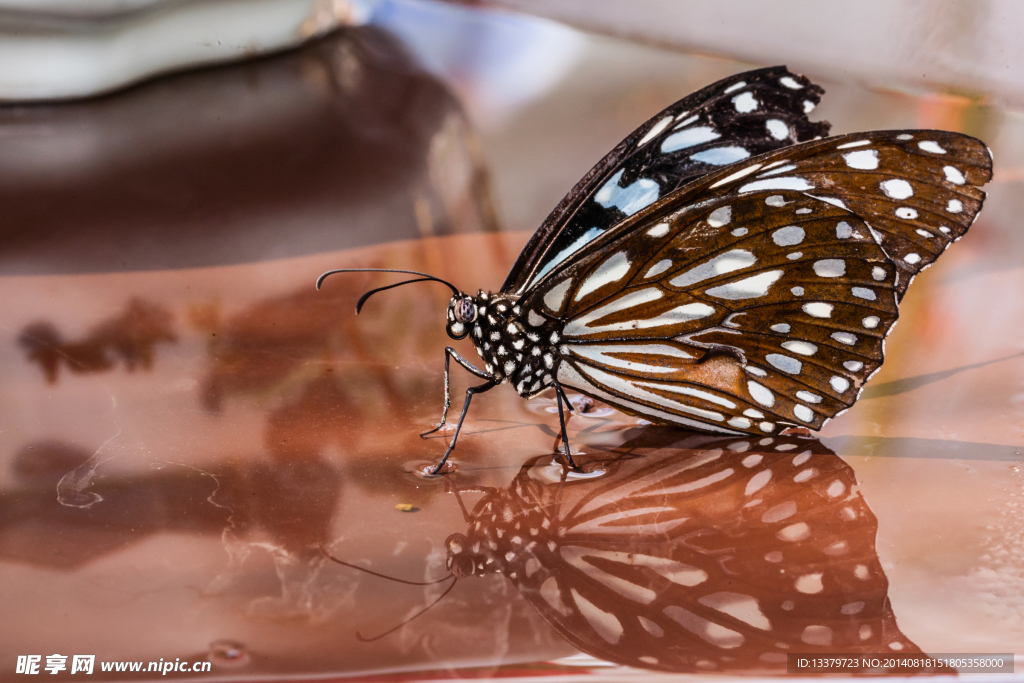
762 294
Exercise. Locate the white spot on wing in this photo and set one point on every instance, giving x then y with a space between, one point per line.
748 288
581 326
801 347
737 259
790 82
954 175
659 268
830 267
818 309
556 295
630 199
761 394
788 236
785 183
720 216
688 138
600 354
931 146
721 156
864 159
613 269
653 132
846 337
808 397
897 188
863 293
659 230
777 129
745 103
737 175
804 413
784 363
955 206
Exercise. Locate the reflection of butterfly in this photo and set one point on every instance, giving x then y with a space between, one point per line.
710 554
710 273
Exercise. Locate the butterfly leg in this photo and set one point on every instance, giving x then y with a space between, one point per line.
479 389
449 352
560 395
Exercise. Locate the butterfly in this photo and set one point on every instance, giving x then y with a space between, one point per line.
726 268
696 554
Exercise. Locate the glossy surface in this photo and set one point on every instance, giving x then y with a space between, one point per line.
180 438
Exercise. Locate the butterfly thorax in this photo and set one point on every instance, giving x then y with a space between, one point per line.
516 348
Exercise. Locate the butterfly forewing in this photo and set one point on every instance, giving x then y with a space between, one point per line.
726 122
710 554
762 294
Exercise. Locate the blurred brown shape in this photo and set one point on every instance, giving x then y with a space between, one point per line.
336 144
130 337
692 555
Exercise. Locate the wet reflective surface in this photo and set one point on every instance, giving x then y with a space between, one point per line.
188 424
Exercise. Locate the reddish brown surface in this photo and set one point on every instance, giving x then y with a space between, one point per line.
178 441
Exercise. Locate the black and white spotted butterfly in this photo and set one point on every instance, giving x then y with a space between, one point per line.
700 554
726 268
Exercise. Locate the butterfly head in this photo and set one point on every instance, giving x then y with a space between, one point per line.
462 313
464 559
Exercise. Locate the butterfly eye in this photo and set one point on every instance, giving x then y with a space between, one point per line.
465 310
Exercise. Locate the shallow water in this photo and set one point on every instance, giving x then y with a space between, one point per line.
188 423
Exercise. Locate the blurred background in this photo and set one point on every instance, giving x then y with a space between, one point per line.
185 421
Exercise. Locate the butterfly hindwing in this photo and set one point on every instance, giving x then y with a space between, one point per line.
763 293
728 121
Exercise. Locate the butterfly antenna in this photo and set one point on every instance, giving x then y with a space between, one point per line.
379 575
363 639
424 277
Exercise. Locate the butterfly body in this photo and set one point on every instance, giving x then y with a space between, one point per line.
516 347
726 268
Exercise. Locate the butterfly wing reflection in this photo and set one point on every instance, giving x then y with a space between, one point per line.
709 554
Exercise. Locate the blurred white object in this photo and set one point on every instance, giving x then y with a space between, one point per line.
55 49
971 47
496 61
